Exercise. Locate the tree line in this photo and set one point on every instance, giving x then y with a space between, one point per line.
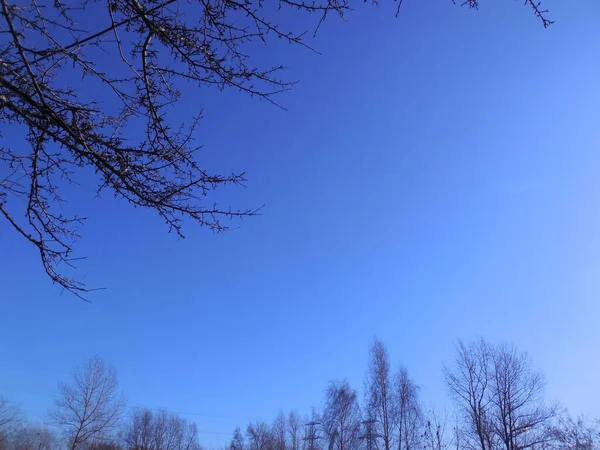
498 399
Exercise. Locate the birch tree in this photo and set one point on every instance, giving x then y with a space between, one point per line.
380 395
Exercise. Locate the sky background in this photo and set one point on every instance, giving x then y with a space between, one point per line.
435 177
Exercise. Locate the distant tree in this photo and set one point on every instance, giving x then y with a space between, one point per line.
469 384
9 417
139 434
380 395
105 445
457 434
575 434
341 416
237 441
89 408
521 417
160 431
33 437
259 436
190 438
409 417
293 430
74 115
501 397
434 431
279 432
171 432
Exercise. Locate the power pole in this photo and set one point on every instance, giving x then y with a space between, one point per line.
310 435
369 434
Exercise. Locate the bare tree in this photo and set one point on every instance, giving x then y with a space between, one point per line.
259 436
469 384
408 411
90 407
521 418
501 397
237 441
434 431
171 432
293 430
107 120
380 395
32 437
160 431
341 416
279 432
457 433
139 434
110 444
190 438
9 417
575 434
168 430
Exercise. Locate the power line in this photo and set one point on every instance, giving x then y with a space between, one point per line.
19 388
28 390
184 413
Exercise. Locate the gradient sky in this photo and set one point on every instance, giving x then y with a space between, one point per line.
435 177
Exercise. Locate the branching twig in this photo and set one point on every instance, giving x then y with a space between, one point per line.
111 115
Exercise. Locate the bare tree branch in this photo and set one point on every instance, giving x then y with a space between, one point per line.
110 119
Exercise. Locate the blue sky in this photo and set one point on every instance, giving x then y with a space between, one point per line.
435 177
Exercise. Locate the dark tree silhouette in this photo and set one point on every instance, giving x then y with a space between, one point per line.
91 98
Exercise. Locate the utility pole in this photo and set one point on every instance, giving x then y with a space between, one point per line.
310 435
369 434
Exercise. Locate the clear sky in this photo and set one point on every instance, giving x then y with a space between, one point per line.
435 177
